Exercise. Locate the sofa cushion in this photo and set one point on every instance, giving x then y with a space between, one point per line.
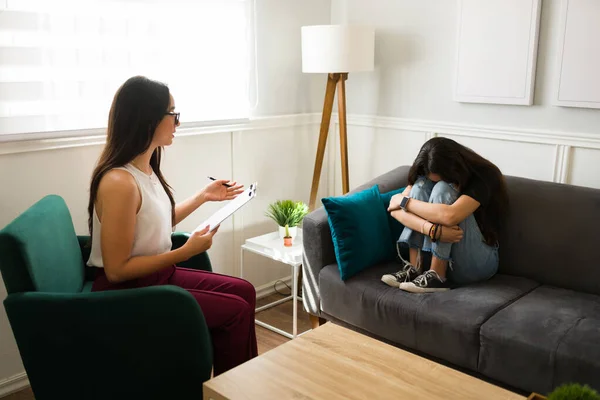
359 230
396 227
539 234
539 340
365 301
444 325
578 354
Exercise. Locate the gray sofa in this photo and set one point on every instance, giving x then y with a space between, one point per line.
533 326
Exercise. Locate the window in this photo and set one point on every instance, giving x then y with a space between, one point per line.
61 61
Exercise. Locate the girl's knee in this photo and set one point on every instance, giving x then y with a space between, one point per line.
443 193
421 190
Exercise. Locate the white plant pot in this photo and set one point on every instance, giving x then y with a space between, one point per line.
293 231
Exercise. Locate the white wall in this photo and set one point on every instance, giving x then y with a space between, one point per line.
276 150
408 98
415 59
283 88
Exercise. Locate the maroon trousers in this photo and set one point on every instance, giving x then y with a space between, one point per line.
227 303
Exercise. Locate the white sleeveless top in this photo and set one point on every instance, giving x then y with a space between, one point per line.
153 225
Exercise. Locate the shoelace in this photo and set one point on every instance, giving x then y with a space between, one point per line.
423 280
403 275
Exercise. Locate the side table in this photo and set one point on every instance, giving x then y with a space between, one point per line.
271 246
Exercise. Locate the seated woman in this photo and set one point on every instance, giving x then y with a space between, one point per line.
132 215
452 208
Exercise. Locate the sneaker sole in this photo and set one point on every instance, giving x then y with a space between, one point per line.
415 289
390 281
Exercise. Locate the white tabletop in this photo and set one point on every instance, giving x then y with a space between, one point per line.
271 245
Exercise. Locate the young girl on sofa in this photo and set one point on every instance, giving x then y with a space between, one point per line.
453 208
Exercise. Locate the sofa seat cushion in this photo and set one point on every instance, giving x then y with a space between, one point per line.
578 354
544 339
444 325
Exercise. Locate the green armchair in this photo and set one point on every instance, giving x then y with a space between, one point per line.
150 343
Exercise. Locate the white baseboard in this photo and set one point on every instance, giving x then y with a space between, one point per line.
13 384
267 289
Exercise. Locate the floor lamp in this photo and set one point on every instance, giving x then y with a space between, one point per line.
335 50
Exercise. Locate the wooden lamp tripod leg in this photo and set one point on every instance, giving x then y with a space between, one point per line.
341 87
332 79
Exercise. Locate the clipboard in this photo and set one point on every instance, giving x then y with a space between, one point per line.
226 211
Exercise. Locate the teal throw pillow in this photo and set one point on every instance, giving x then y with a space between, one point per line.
359 229
395 226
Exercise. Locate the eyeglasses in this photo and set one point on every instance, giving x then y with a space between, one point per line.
176 116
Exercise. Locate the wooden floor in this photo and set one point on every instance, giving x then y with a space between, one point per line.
279 316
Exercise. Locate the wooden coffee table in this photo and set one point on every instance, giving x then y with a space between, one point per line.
332 362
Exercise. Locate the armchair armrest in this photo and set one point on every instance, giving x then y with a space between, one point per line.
318 250
199 261
135 343
178 239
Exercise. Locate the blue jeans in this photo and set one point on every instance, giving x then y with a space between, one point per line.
470 260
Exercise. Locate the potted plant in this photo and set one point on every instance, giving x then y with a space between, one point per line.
287 239
574 391
287 212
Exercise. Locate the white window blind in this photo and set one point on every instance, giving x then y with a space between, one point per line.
61 61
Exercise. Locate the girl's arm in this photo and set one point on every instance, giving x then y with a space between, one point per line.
448 215
412 221
450 234
118 202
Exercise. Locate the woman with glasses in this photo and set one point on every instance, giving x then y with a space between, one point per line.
132 214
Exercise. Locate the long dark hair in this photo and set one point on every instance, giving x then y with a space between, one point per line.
458 164
137 108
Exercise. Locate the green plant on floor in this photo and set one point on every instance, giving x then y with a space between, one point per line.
573 391
287 212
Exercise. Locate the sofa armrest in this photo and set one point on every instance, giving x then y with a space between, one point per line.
391 180
317 253
145 343
318 250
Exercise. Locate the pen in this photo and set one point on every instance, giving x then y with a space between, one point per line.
213 179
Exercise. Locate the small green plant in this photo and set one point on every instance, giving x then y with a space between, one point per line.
287 231
287 212
573 391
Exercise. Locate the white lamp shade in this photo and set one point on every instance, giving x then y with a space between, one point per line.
337 48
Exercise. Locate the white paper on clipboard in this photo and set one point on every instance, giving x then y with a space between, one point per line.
224 212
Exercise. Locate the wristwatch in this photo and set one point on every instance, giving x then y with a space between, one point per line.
404 202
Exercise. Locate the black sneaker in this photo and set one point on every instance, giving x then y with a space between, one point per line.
406 274
428 282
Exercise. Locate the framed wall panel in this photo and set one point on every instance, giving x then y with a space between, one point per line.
496 51
578 72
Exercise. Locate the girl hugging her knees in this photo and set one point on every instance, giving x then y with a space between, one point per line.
452 208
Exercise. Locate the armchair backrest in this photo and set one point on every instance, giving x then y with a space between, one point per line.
39 250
